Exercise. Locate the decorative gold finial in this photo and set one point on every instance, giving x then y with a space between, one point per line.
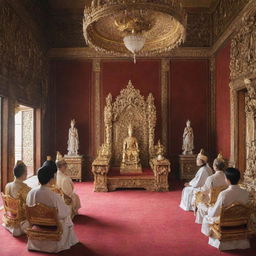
160 150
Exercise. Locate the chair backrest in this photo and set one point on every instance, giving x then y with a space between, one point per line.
12 207
235 215
214 192
57 190
43 215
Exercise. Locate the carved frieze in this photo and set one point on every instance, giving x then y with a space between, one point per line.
198 30
250 104
224 13
23 55
243 49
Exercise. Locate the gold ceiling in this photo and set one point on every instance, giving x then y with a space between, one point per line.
160 24
79 4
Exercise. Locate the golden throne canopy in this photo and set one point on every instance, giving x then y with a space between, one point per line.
130 107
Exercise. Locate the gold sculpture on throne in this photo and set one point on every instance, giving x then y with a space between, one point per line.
130 157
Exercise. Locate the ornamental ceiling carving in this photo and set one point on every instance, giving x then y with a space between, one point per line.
61 20
207 20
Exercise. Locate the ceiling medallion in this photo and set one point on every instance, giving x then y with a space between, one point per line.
140 27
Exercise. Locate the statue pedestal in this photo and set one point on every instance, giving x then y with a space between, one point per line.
188 166
130 168
100 168
75 166
161 169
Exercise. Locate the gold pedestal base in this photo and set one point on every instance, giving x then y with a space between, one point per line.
130 168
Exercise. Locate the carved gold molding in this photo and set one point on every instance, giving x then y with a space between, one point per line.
97 113
242 65
86 52
250 6
233 127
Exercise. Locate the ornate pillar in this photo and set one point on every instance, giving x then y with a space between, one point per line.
97 131
250 109
108 119
151 109
212 110
165 69
233 126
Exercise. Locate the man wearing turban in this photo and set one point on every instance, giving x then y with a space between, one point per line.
214 181
197 182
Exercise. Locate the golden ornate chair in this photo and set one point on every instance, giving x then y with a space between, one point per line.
213 195
14 213
129 108
66 198
43 223
233 223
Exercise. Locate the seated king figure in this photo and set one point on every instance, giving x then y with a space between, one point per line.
130 157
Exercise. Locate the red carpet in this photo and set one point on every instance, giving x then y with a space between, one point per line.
130 223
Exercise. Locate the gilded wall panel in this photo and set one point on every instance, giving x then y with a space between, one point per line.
198 30
23 55
23 66
224 13
243 48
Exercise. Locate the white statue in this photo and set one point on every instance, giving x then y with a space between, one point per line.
73 142
188 140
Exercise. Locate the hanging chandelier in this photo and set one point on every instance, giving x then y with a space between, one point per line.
138 27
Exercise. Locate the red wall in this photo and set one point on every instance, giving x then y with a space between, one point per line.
188 98
223 101
145 76
189 85
189 88
72 81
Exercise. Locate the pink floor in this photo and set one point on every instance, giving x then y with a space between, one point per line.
130 223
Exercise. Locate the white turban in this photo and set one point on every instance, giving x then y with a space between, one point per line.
202 156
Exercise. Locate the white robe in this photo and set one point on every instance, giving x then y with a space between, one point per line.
213 181
231 195
44 195
65 183
198 181
18 190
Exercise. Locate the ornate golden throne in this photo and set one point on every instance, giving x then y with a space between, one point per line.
130 108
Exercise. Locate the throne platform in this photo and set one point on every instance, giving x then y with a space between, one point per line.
130 107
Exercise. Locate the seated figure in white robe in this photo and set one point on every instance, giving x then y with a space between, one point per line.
226 198
49 162
18 190
198 181
213 181
43 194
65 183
